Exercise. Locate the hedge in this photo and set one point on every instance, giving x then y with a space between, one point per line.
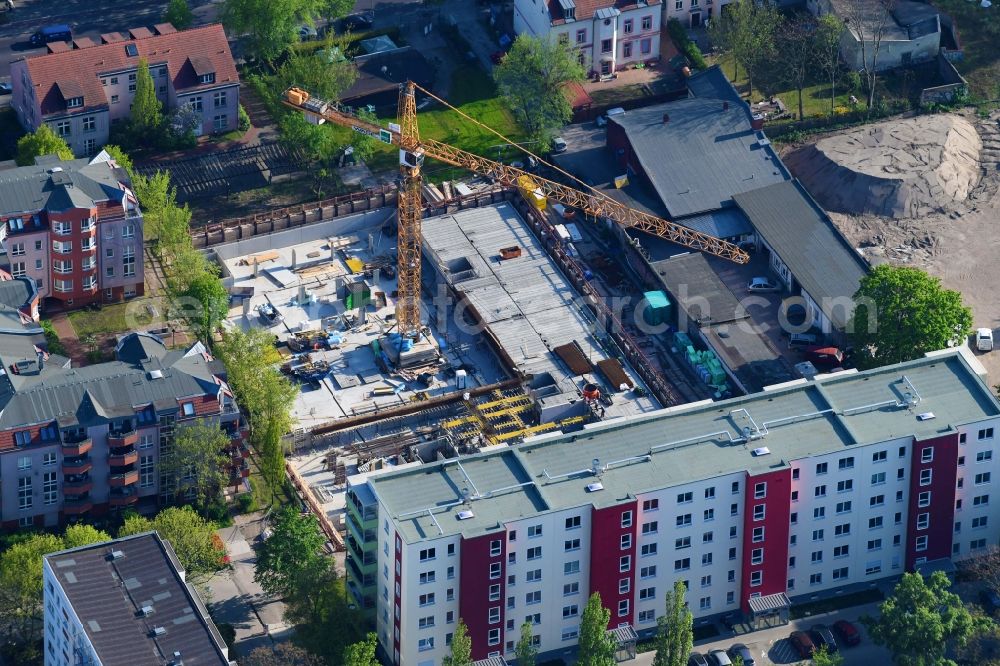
684 44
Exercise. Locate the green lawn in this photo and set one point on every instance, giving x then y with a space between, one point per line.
979 31
112 319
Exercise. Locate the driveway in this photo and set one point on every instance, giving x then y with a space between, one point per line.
770 646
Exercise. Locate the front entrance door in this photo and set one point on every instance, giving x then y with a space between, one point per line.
696 20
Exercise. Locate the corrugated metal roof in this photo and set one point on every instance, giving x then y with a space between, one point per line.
802 235
724 223
769 603
702 156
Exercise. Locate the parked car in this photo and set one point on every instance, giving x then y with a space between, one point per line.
354 23
990 600
743 652
307 33
762 285
802 643
802 340
559 145
984 339
719 658
51 33
822 636
824 358
5 87
697 659
848 633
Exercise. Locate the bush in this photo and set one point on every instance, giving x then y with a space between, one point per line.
246 502
217 512
244 123
852 81
52 339
684 44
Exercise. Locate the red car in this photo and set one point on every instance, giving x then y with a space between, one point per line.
847 632
802 643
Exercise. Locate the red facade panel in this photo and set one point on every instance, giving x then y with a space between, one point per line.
397 599
482 565
939 510
607 527
775 495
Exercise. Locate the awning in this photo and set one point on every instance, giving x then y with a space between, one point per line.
944 564
491 661
623 634
772 603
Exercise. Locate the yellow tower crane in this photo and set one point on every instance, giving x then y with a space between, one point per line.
412 151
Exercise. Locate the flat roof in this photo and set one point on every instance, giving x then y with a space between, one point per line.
108 595
684 444
801 233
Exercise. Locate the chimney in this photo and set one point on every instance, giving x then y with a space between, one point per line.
725 106
293 257
758 121
41 361
666 118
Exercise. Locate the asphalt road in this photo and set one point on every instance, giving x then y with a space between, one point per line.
88 18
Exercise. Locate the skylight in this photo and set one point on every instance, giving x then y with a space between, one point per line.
131 50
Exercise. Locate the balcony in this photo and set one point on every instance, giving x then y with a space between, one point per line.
78 507
117 440
123 479
77 449
123 499
121 458
77 488
80 465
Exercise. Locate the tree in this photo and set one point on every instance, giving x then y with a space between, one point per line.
334 9
826 43
83 535
900 313
145 121
294 543
531 78
283 654
526 651
596 647
985 566
461 647
121 158
321 73
179 14
43 141
823 657
267 27
674 630
197 460
868 21
191 536
362 653
920 620
207 290
747 30
795 43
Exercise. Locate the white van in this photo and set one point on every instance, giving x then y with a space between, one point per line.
984 339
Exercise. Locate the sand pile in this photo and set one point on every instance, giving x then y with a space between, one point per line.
899 168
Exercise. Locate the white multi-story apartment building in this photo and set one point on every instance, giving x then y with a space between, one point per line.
693 13
806 488
125 602
608 34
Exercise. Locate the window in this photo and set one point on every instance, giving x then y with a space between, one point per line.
534 575
984 456
424 644
683 542
573 523
219 99
207 78
427 599
534 553
624 585
646 616
684 521
793 518
49 459
986 433
626 519
840 574
878 500
647 593
650 527
625 541
648 549
925 476
426 622
878 456
981 478
845 486
821 468
62 286
817 535
147 469
981 500
17 269
24 498
570 589
428 577
62 247
878 479
758 512
760 490
647 22
730 597
979 522
757 556
679 5
977 544
495 547
842 530
682 564
756 578
924 499
571 567
50 488
819 512
23 438
534 531
533 597
581 36
841 551
648 572
816 557
706 537
708 514
820 491
571 544
758 535
795 496
921 544
844 507
732 531
494 570
645 46
17 249
219 122
624 563
732 553
89 124
846 463
63 128
570 611
735 487
605 46
623 608
816 579
684 498
651 505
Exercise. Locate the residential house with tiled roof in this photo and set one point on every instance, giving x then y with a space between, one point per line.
608 35
83 88
73 228
80 442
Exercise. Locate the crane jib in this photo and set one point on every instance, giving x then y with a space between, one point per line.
382 135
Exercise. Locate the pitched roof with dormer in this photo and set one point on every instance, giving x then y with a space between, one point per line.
586 9
59 77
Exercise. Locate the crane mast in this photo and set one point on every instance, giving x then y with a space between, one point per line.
413 150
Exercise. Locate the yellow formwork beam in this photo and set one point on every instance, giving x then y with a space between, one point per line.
515 399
